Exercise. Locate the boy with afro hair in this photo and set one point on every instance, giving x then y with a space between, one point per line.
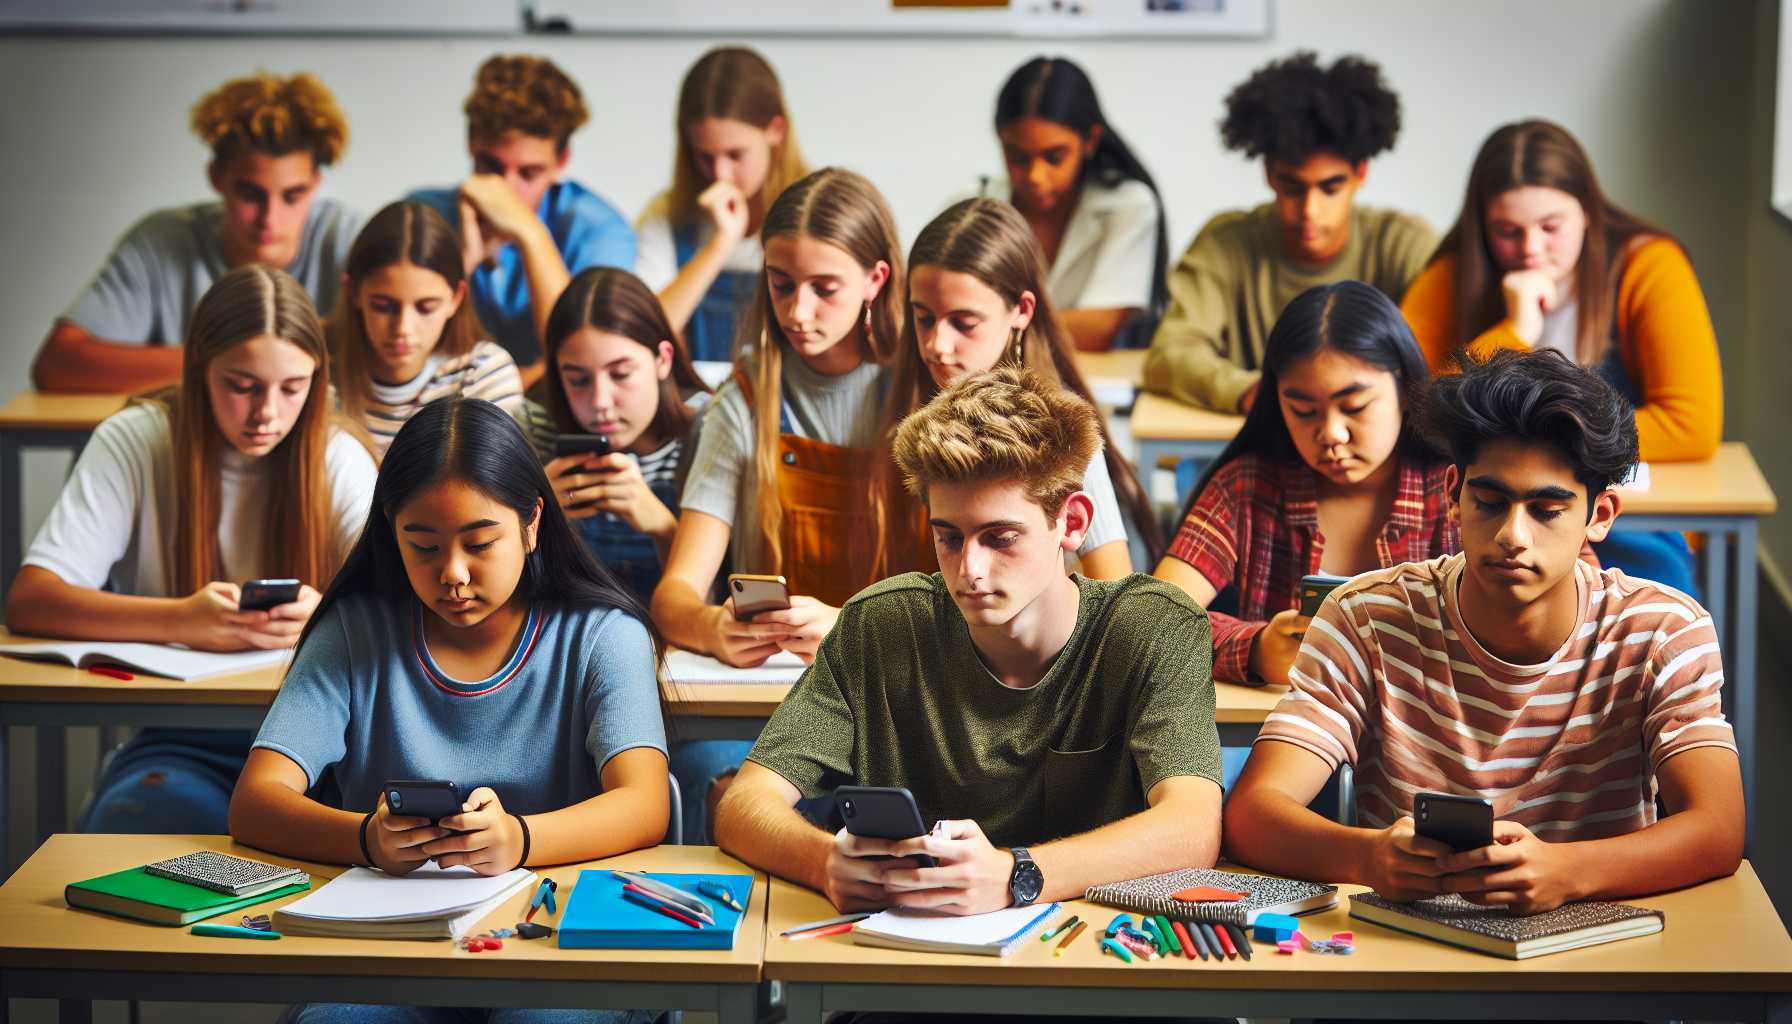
526 228
1315 129
270 138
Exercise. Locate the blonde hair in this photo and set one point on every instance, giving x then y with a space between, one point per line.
1009 425
271 115
299 535
738 84
516 92
402 232
990 241
846 211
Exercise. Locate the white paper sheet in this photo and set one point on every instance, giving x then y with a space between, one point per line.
154 659
691 667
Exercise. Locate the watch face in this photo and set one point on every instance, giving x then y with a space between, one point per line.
1027 883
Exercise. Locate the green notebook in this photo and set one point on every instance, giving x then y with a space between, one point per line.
136 893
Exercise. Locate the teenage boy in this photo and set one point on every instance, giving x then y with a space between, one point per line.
1567 695
525 229
270 140
1315 129
1063 725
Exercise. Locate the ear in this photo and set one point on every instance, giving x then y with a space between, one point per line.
560 164
532 529
1078 514
215 175
1024 307
662 360
460 296
1453 493
1093 142
1361 170
875 280
1605 512
775 131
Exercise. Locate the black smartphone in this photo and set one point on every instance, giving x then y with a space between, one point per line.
754 594
261 595
882 812
1313 591
1459 822
581 444
434 799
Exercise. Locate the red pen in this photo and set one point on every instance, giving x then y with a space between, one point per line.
662 908
816 933
1226 942
107 670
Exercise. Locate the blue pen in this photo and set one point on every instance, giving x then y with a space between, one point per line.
231 931
721 894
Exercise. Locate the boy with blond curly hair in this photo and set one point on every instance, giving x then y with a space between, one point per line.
1025 705
525 228
270 139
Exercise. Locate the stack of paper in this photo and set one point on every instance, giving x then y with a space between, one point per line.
690 667
155 659
921 931
428 903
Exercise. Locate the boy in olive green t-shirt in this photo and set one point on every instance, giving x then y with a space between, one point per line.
1023 704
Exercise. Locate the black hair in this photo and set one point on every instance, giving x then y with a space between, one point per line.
1535 397
1349 317
1056 90
1290 109
474 441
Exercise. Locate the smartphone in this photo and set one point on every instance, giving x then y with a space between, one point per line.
581 444
882 812
434 799
1459 822
1313 591
261 595
754 594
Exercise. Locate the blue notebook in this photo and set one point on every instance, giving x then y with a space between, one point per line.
598 917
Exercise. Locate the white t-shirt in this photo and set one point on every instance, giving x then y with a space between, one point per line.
1109 250
111 522
656 255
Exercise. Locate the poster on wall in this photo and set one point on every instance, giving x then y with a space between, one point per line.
247 17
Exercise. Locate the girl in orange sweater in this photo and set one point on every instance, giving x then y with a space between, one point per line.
1539 258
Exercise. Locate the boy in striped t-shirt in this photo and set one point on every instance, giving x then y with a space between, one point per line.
1568 696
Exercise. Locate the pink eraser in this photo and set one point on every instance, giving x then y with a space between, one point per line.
1344 937
1287 946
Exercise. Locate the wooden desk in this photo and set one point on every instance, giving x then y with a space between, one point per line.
32 420
50 951
1724 955
1113 377
1163 428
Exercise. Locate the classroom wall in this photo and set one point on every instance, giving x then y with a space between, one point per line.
95 128
1758 366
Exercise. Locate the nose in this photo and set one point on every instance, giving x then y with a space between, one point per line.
973 562
404 323
603 394
1038 174
1309 205
263 412
934 341
454 568
1515 532
805 304
1333 430
1533 242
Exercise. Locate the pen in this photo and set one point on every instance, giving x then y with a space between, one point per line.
662 908
824 923
231 931
544 894
639 894
664 891
1068 939
1169 934
107 670
1188 941
1225 937
816 933
721 894
1241 940
1046 935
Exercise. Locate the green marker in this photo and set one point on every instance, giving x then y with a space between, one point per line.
1058 929
231 931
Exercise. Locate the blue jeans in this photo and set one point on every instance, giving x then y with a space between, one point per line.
170 781
374 1013
1662 557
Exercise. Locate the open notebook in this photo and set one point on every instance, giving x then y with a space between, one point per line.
919 931
429 903
155 659
693 668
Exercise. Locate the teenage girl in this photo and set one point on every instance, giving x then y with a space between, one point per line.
699 240
469 637
1089 201
404 334
977 298
1539 258
1330 477
241 472
616 372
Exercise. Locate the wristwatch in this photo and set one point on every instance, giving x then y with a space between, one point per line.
1026 881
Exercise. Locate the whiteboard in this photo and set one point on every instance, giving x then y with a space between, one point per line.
1242 19
1781 195
333 17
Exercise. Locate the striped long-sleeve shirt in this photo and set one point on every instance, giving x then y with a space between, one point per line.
486 372
1390 680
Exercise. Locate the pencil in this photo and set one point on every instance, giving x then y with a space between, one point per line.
662 908
816 933
824 923
1068 939
1241 940
1225 940
1069 922
1194 932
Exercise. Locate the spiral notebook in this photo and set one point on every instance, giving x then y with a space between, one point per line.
1265 895
1454 920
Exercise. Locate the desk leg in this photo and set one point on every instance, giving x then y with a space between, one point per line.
802 1003
74 1011
1742 641
5 820
52 782
12 507
1716 584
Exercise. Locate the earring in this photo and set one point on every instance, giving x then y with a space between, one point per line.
870 339
1014 337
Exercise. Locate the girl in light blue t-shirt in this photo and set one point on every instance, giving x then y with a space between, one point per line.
470 637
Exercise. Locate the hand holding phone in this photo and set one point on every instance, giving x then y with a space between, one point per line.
1460 822
753 594
265 595
882 812
581 444
1314 590
431 799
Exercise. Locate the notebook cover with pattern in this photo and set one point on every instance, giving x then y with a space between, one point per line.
1454 920
1152 895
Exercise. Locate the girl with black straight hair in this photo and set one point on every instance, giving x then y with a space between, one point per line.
1331 477
1089 200
470 638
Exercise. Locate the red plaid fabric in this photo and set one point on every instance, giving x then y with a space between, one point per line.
1256 527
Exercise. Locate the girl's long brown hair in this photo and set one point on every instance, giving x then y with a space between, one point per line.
990 241
617 302
299 537
846 211
738 84
402 232
1541 153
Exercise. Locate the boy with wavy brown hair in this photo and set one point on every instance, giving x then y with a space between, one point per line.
270 139
525 227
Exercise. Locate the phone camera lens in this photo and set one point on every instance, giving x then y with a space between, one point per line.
394 799
739 586
846 807
1424 813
